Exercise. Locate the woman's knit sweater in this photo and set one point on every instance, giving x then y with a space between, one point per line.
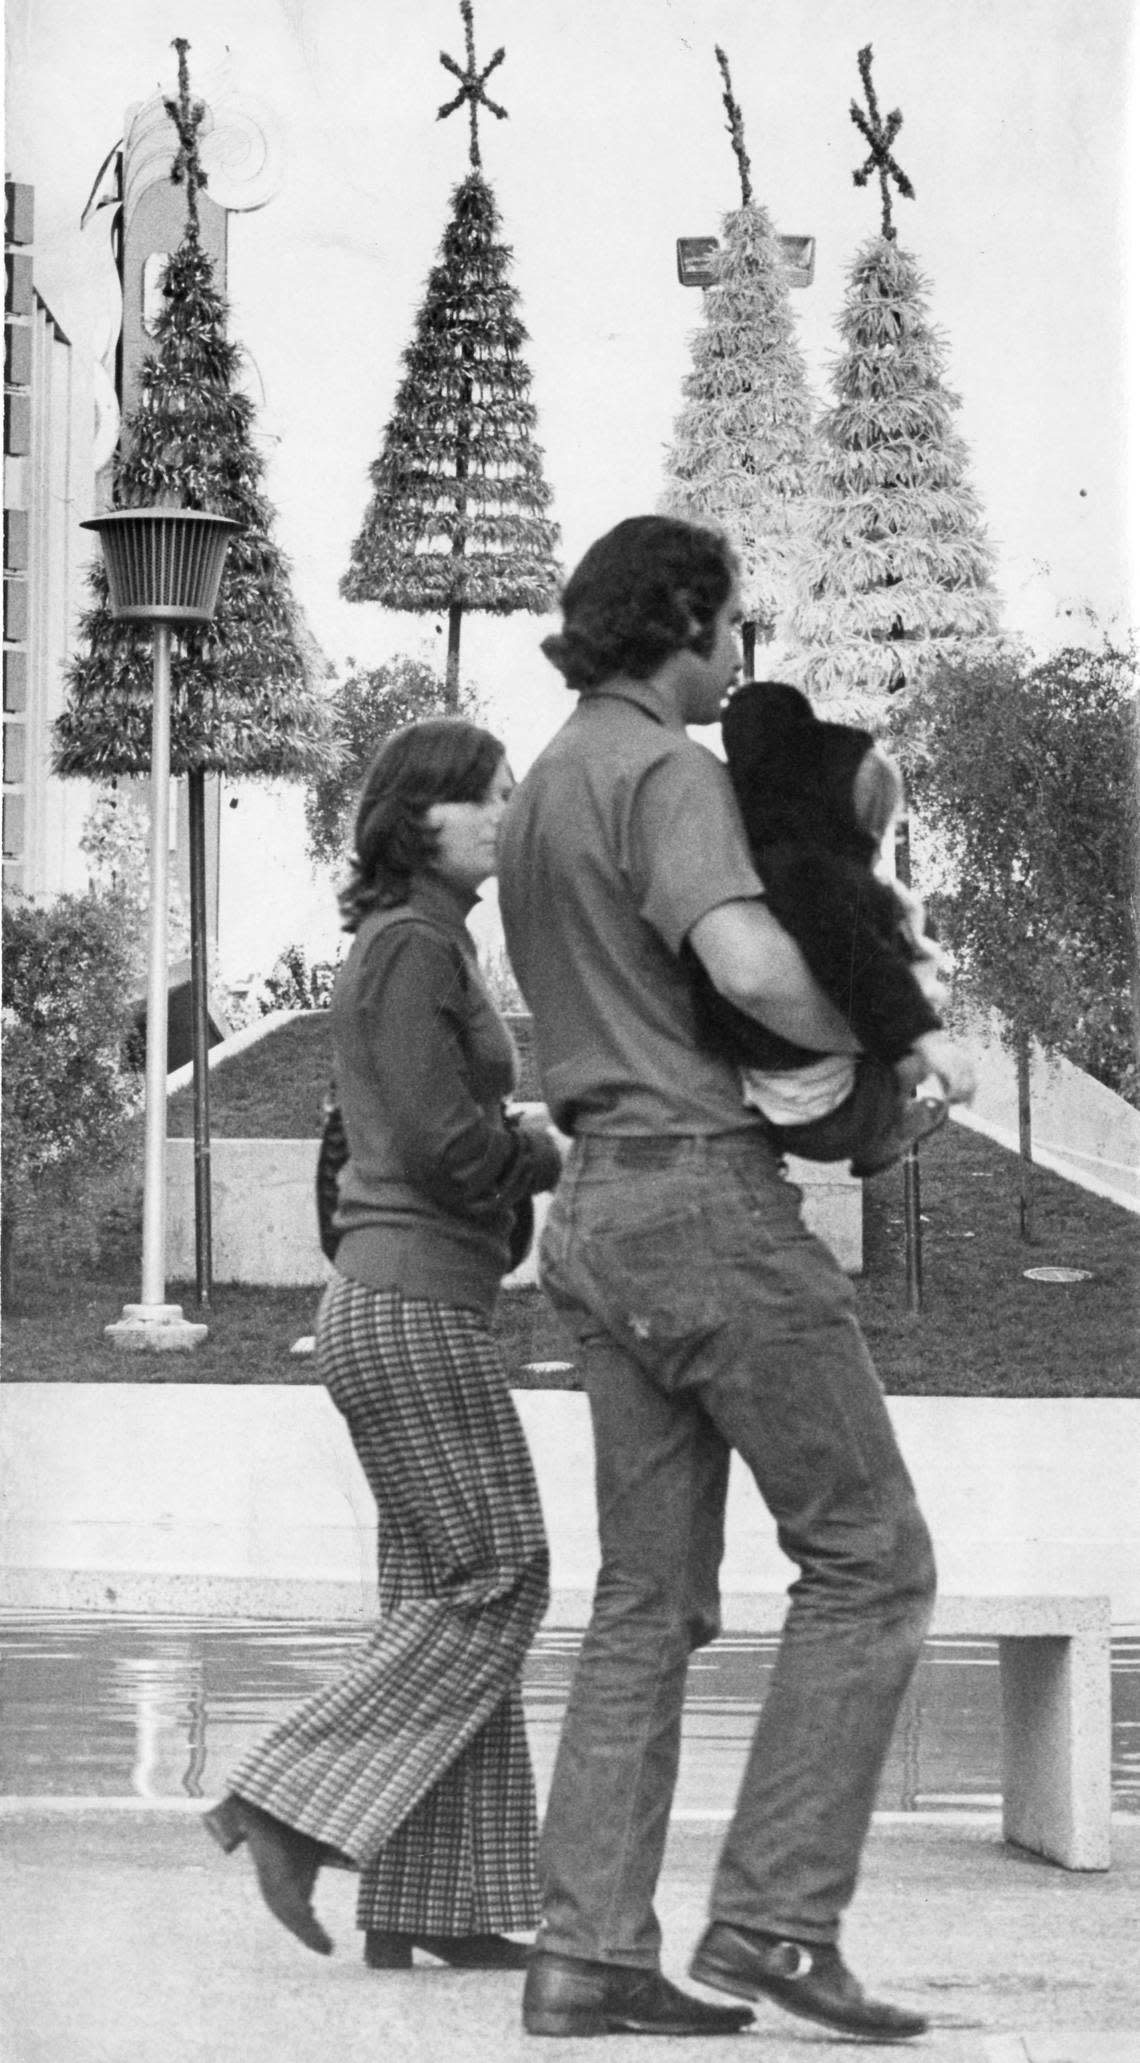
423 1064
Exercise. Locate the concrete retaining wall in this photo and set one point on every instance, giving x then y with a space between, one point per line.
195 1497
265 1225
1079 1128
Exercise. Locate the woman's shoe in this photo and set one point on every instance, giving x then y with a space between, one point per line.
387 1951
383 1951
286 1862
223 1823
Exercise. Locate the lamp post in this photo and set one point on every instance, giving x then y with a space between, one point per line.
164 567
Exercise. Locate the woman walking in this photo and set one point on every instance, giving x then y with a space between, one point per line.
414 1765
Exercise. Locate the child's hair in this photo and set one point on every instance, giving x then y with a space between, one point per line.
877 794
801 777
631 602
444 759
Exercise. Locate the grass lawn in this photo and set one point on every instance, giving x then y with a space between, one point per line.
984 1329
272 1090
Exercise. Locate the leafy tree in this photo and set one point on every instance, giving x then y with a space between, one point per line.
295 982
116 844
68 985
896 569
1026 775
366 708
742 440
458 518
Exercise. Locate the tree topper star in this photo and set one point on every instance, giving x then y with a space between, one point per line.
735 128
187 117
880 136
471 83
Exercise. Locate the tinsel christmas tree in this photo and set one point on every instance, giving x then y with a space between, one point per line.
458 517
896 569
742 439
247 693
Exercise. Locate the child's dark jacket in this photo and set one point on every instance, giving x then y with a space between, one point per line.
794 780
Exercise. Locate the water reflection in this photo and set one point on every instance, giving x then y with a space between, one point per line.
159 1708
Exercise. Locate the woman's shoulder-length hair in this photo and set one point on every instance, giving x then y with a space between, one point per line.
442 759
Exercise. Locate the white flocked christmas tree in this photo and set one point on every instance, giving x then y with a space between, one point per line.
741 441
895 574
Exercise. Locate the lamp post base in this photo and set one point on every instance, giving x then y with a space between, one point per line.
155 1329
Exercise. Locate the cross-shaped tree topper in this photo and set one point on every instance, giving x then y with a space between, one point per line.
187 117
735 128
471 83
880 136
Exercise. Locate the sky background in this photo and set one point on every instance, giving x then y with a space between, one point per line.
1019 134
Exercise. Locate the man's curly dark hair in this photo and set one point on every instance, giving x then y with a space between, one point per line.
632 600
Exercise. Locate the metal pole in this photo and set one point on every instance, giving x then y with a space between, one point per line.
912 1214
154 1156
1025 1137
753 633
451 677
912 1204
199 1033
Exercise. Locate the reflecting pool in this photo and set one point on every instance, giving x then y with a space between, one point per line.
163 1707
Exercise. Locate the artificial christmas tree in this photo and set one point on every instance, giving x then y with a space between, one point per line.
741 442
895 574
458 520
245 695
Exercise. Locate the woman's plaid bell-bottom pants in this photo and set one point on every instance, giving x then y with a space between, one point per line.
414 1762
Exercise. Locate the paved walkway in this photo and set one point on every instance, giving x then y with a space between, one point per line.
129 1938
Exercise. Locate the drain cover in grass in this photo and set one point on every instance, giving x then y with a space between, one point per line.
1058 1274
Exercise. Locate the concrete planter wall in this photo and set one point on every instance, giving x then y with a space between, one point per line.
263 1211
196 1497
264 1214
1080 1129
265 1224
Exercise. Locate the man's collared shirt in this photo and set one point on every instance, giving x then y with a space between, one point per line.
623 834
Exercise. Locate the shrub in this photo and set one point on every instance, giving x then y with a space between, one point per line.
67 993
295 982
367 707
116 845
1026 773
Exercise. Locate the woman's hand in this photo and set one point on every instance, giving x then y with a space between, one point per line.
548 1147
550 1150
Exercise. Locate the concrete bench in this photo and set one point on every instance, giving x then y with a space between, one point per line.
1056 1712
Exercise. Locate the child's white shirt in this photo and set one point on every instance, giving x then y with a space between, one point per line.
800 1094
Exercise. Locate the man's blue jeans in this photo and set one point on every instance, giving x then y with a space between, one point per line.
708 1320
